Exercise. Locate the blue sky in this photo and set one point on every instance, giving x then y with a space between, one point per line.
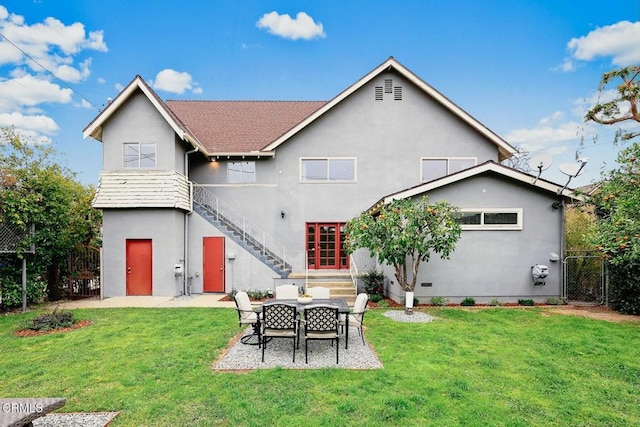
526 69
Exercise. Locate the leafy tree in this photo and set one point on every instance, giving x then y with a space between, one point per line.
36 190
617 202
405 233
624 107
580 223
617 233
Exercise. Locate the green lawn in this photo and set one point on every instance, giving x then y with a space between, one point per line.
491 367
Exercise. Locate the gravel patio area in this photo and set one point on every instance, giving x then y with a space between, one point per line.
279 354
240 357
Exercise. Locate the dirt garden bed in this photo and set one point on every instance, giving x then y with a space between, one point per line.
32 333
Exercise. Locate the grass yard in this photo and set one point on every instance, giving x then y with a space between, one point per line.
497 367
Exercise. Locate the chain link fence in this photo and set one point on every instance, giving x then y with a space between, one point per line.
584 278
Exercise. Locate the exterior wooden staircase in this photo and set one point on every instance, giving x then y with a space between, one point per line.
338 281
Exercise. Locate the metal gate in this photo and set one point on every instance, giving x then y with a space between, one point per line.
84 272
584 279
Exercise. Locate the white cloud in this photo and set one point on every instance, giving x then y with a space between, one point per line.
545 134
552 118
29 54
50 43
619 41
174 81
28 91
32 124
302 27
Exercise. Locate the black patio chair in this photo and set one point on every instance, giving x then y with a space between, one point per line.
279 321
320 323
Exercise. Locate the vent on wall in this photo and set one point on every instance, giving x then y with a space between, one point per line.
389 88
378 93
388 85
397 93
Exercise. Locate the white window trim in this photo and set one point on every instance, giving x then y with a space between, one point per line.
517 226
155 152
448 159
242 173
329 181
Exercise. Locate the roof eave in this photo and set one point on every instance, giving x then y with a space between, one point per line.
94 129
559 190
505 150
241 154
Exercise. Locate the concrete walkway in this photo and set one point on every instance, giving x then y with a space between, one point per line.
196 300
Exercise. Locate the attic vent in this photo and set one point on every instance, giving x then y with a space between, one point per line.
397 93
388 85
378 93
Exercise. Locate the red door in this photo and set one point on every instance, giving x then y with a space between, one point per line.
213 264
139 267
325 246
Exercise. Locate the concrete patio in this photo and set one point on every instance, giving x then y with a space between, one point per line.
195 300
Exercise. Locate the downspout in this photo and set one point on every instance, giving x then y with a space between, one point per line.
185 276
563 225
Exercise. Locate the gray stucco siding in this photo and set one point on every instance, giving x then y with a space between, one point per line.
164 227
387 138
490 264
242 273
139 121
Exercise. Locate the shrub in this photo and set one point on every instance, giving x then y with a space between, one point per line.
375 298
439 301
624 289
495 302
11 292
257 294
554 301
51 320
528 302
468 301
383 303
373 281
253 294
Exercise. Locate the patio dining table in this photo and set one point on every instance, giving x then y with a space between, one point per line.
341 303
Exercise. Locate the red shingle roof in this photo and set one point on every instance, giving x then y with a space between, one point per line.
240 126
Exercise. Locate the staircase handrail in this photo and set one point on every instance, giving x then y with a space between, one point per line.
220 209
353 272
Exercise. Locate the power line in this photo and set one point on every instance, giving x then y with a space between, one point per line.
48 71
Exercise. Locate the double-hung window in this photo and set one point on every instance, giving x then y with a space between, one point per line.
139 155
241 172
436 167
332 169
490 219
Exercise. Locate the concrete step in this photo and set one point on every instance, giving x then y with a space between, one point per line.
338 287
322 274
